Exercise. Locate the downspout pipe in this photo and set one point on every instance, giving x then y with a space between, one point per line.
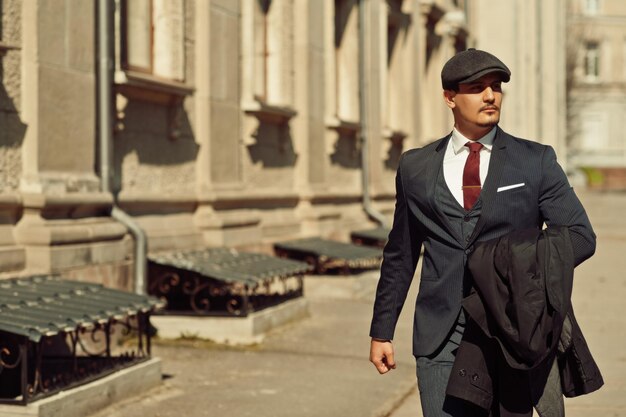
374 214
105 51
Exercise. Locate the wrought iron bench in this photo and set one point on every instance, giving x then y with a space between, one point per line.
223 281
56 334
330 256
371 237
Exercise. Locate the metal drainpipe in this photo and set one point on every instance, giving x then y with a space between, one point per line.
104 14
367 201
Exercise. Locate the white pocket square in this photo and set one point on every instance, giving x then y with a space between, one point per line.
509 187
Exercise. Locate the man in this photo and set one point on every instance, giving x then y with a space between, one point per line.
475 184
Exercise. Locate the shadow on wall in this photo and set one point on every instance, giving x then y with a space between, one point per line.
433 41
393 156
273 146
346 152
157 136
12 132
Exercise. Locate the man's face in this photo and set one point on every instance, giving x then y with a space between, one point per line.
476 106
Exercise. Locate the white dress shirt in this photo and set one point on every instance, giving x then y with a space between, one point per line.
455 157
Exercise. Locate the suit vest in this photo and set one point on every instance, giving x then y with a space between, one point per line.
462 221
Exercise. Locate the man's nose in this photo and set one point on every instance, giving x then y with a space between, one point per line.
488 94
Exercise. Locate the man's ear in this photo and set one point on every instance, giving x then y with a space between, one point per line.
448 97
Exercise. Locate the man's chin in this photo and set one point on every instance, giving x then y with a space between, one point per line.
489 121
489 124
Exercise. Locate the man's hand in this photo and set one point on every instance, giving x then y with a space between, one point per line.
381 355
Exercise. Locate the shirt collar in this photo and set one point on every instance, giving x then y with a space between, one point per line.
459 141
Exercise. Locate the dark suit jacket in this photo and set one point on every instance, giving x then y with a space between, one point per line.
546 196
521 303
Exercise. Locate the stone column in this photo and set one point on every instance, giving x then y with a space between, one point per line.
413 71
65 224
12 131
58 97
221 215
313 34
400 95
434 111
375 32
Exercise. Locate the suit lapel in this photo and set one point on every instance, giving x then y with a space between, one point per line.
496 166
435 165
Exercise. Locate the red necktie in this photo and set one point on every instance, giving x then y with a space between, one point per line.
471 175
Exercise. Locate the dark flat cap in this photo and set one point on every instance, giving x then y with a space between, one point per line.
470 65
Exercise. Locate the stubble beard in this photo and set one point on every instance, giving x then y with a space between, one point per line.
488 124
491 122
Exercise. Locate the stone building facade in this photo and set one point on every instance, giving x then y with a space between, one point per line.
597 90
237 122
529 36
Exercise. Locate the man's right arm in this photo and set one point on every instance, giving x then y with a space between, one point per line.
400 258
382 355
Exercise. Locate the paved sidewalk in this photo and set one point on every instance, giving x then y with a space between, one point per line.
311 368
599 299
319 367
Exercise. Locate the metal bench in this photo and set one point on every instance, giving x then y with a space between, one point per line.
56 334
371 237
330 256
223 281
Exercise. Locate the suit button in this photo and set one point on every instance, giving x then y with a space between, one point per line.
466 218
469 250
462 372
475 377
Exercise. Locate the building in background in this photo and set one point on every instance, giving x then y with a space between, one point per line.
238 123
529 36
596 77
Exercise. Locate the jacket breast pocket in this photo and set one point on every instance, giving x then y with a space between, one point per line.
517 198
515 213
510 187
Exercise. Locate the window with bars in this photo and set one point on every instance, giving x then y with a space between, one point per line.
346 50
153 37
591 7
271 50
268 59
591 61
624 59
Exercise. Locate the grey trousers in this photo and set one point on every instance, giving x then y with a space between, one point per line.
433 373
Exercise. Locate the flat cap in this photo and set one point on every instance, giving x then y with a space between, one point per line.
470 65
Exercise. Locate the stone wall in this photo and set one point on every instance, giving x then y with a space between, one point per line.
13 129
246 127
60 217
